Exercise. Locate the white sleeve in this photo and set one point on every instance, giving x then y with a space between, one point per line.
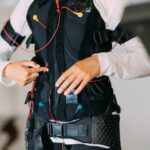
131 61
111 11
20 25
5 54
128 62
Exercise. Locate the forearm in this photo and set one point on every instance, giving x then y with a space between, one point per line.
5 54
131 61
17 27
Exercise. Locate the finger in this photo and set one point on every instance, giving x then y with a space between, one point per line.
25 83
66 83
63 77
28 63
30 80
33 75
81 86
38 70
73 86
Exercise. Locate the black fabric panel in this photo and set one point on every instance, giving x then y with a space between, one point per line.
39 37
55 60
60 63
14 35
89 46
103 129
29 41
38 32
39 3
93 102
106 130
121 34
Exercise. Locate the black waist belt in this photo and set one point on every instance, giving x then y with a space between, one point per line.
103 130
79 130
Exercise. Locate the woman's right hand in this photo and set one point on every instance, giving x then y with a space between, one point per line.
23 72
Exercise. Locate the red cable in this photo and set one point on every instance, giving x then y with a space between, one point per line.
51 39
119 39
63 144
65 7
42 48
49 42
33 87
31 102
42 24
52 117
98 80
58 6
30 105
93 81
56 30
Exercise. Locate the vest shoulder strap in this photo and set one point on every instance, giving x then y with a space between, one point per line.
121 34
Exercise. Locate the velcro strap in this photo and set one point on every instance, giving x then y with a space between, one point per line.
8 33
101 37
79 130
121 34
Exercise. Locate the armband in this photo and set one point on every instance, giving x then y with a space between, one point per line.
10 36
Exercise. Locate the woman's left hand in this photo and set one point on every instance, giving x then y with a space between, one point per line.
78 75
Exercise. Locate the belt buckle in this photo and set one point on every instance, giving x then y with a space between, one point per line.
57 129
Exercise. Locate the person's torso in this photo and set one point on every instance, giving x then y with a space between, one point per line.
76 38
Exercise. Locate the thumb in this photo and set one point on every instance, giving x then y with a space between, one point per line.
28 63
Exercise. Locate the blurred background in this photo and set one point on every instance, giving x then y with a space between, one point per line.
132 95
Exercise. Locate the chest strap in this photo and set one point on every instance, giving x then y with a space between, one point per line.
121 34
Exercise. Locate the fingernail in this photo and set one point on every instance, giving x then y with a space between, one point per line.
56 85
59 91
47 69
66 93
75 93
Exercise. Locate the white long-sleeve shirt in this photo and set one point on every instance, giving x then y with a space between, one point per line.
131 62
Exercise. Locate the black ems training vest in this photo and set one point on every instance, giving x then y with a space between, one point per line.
76 39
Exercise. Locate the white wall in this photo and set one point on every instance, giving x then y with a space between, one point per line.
133 96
